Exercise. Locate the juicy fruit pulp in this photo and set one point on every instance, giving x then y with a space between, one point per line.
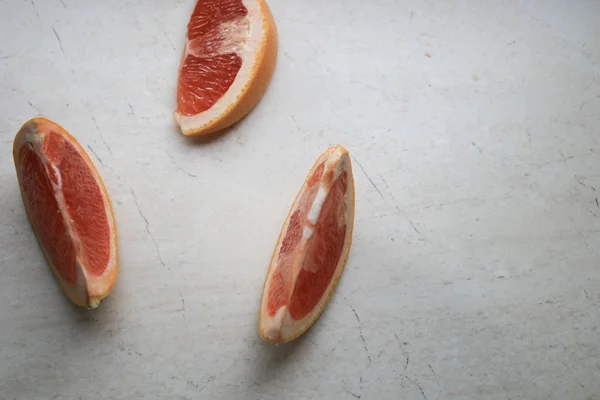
67 209
227 64
323 252
46 218
65 172
212 63
312 251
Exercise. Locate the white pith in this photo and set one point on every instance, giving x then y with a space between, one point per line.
315 209
88 289
282 327
244 43
307 232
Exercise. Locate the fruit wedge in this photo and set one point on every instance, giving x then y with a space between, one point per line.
69 210
228 60
312 250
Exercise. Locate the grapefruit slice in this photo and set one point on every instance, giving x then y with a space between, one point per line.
228 60
312 250
69 210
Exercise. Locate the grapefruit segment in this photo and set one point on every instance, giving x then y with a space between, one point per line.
312 250
227 63
69 210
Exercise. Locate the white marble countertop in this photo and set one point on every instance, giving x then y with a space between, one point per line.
475 132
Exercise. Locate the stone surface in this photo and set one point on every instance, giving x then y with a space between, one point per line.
474 131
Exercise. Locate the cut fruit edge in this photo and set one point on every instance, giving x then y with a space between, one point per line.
282 327
89 290
258 54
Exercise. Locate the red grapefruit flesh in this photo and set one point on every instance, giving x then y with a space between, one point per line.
69 210
312 250
227 63
207 72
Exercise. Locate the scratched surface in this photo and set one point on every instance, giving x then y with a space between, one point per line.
474 131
